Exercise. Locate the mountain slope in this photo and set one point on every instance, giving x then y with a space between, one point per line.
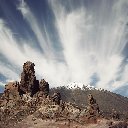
106 99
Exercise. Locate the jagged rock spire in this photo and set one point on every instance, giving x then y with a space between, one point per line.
28 83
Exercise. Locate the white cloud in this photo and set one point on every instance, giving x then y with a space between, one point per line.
8 73
44 68
90 45
36 28
2 86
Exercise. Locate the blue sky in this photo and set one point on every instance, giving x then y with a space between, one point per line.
69 41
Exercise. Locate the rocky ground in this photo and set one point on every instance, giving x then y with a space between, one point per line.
27 104
32 122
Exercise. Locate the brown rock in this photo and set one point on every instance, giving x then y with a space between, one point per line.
92 111
28 83
11 94
44 88
56 98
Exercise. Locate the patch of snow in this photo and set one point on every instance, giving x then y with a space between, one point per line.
74 85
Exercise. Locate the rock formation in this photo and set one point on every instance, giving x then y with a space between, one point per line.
92 103
56 98
91 100
92 111
28 83
43 88
18 100
11 94
31 97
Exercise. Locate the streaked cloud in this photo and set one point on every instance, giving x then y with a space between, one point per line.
92 44
96 48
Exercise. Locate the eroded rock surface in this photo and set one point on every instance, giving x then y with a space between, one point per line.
30 98
28 81
43 88
11 94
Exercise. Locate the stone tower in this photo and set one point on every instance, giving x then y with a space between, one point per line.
28 83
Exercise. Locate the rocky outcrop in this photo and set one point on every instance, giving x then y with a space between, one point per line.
28 83
92 103
31 97
11 94
56 98
90 114
43 88
23 91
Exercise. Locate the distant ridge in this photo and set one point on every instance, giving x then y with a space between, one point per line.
107 100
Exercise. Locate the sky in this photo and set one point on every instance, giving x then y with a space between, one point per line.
84 41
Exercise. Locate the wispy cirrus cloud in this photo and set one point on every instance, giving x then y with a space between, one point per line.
96 48
92 44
